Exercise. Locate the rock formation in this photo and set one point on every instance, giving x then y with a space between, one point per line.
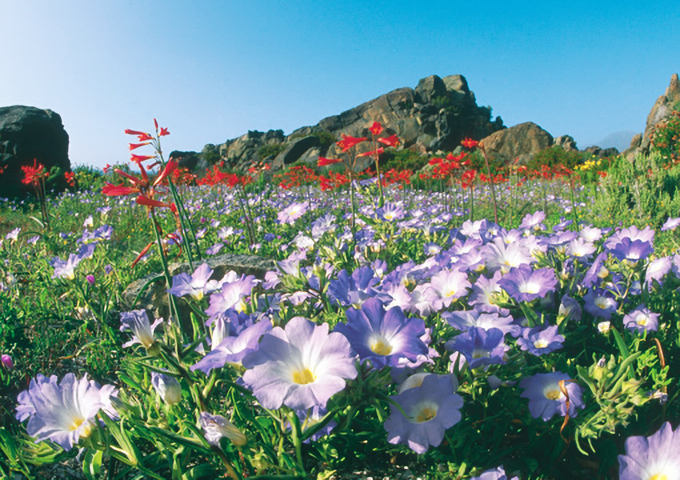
521 142
28 133
662 108
435 116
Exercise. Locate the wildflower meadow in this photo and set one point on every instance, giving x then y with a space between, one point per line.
466 319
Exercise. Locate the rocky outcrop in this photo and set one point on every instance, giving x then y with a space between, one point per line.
662 108
435 116
28 133
520 142
567 143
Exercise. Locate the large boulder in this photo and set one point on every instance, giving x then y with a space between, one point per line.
520 142
28 134
661 109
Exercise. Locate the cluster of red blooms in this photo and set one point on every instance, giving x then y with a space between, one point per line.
70 178
217 177
35 174
333 181
347 142
393 176
296 177
447 167
182 176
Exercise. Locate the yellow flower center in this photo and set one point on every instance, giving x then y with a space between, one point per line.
540 343
450 293
303 376
77 422
659 476
389 216
381 346
553 394
530 287
642 321
241 306
426 414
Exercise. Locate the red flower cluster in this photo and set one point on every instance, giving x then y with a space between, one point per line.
217 177
35 174
333 181
296 176
393 176
70 178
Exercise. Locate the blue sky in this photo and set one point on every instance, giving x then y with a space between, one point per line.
212 70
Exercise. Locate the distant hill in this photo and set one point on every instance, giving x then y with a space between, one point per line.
617 140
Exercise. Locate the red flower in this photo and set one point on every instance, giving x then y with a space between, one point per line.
379 151
348 142
323 161
116 190
132 146
469 143
376 128
33 175
69 178
141 158
164 132
391 141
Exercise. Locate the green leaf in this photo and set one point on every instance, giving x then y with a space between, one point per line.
92 463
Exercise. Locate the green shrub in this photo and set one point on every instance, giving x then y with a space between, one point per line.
555 155
271 150
403 160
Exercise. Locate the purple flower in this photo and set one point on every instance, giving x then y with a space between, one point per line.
505 256
657 269
524 284
596 272
292 212
495 474
670 224
656 457
641 320
448 286
137 322
569 309
390 212
216 427
539 340
300 367
631 251
232 296
480 347
383 337
353 290
7 362
464 320
599 304
485 294
233 349
90 279
430 409
632 233
194 285
215 249
63 412
167 387
546 396
533 222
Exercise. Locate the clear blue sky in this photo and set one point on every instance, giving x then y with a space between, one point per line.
212 70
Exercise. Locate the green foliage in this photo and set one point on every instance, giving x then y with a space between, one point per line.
642 192
88 177
666 138
555 155
403 160
271 150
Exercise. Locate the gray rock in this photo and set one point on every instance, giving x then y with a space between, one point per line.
567 143
295 150
28 133
521 142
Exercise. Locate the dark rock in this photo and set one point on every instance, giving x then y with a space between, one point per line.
295 150
520 142
187 160
28 133
430 88
601 152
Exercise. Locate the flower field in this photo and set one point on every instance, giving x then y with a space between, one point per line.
469 320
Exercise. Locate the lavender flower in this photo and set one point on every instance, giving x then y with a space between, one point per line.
631 251
430 409
600 304
167 387
137 322
194 285
670 224
495 474
656 457
232 296
546 397
233 349
641 320
216 426
480 347
63 412
7 362
464 320
382 337
300 367
292 212
539 340
524 284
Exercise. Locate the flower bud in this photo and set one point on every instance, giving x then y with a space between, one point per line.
167 387
216 427
90 279
7 362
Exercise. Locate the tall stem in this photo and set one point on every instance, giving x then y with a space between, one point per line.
493 190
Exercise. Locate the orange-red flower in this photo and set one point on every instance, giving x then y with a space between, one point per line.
132 146
323 161
469 143
391 141
69 176
379 151
33 175
348 142
376 128
141 158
